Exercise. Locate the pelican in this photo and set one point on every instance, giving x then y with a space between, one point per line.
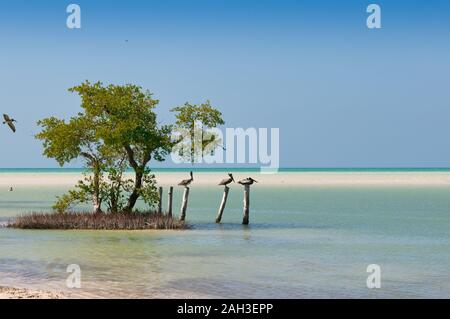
186 182
247 181
227 181
10 122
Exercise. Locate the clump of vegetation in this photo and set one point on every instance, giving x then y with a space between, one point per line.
117 131
193 124
86 221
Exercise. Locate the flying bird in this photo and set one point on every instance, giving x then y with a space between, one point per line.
247 181
186 182
10 122
227 181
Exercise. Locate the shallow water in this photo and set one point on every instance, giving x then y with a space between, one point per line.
303 242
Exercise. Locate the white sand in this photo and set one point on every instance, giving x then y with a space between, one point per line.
280 179
22 293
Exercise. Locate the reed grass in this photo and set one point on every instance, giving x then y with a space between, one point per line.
88 221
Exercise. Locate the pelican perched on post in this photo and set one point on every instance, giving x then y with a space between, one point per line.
227 181
186 182
184 203
10 122
247 181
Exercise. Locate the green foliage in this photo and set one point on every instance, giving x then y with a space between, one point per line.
194 121
117 129
65 202
67 141
149 190
126 120
125 116
188 114
114 189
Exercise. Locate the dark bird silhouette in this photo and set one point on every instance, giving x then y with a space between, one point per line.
10 122
186 182
227 181
247 181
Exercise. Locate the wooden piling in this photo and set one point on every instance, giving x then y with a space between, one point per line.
184 203
246 218
160 200
169 201
222 204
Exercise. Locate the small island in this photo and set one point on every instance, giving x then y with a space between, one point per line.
116 132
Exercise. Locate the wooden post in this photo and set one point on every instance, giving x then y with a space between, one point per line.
246 219
169 201
222 204
160 200
184 204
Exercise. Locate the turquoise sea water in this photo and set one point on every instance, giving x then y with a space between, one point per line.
303 242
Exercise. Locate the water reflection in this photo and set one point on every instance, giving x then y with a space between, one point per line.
318 246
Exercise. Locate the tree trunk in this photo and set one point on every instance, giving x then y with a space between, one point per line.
96 201
135 194
97 205
94 163
160 193
139 175
113 202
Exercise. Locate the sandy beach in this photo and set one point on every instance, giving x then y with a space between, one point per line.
21 293
278 179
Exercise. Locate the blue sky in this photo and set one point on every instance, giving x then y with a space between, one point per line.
341 94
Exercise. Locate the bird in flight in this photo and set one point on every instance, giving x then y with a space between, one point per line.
10 122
